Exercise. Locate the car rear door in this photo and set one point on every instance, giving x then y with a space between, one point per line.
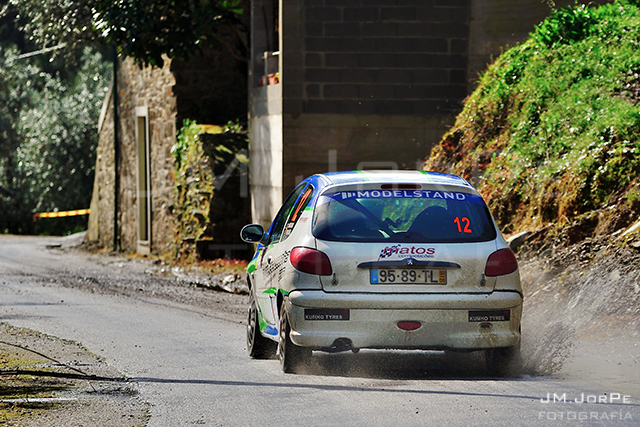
274 258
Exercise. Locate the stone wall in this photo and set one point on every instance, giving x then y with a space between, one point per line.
211 89
101 218
379 83
375 58
151 88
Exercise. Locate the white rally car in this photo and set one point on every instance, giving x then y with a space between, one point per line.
383 260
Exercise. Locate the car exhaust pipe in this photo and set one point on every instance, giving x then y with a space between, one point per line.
339 345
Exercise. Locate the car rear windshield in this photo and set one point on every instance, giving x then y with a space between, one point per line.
426 216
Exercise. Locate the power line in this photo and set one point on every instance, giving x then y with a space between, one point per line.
37 52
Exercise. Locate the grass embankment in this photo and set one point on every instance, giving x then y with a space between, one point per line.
50 381
551 134
21 395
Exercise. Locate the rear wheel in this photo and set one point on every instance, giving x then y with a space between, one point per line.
504 362
292 357
258 346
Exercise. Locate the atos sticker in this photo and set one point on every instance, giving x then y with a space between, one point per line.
407 252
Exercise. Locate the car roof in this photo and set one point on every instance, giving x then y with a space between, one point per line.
393 176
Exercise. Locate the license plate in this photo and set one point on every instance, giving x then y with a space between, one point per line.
405 276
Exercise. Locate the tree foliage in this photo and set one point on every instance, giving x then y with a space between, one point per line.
49 137
143 29
56 159
50 99
17 83
53 23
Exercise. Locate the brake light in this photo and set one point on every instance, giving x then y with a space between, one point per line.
500 263
310 261
409 325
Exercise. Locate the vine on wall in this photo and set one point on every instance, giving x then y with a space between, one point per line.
193 190
210 187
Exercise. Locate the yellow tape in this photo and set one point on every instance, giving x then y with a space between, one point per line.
61 214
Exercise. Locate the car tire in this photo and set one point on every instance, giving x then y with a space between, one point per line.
258 346
291 356
504 362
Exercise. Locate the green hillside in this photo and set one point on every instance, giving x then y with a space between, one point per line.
551 134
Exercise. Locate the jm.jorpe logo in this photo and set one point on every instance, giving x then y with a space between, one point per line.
587 398
407 251
580 413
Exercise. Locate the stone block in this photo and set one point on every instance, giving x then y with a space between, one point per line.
313 60
292 91
384 2
380 29
414 2
322 75
459 46
426 107
323 14
394 44
431 76
442 15
357 107
314 29
402 14
338 44
342 3
358 75
452 61
451 3
394 76
342 60
417 60
378 60
340 91
430 91
342 29
446 30
394 107
378 91
431 45
321 106
293 74
361 14
458 76
312 90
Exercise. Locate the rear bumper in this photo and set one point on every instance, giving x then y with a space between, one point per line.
373 320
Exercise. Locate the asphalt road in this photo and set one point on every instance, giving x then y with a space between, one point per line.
189 361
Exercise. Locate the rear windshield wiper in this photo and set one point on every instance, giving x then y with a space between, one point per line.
356 206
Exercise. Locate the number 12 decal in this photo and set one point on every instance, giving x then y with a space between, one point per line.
463 224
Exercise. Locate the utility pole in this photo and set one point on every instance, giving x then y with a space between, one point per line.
116 151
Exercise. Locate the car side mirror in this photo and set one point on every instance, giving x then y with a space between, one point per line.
253 233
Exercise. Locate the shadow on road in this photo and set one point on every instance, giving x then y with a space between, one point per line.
398 365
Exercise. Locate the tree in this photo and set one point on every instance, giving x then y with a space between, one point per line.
49 163
48 116
57 156
18 83
143 29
